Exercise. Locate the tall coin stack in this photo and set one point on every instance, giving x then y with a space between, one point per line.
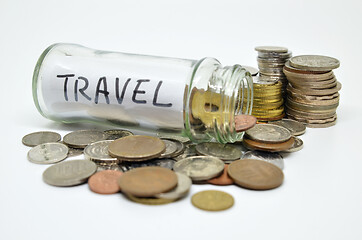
312 90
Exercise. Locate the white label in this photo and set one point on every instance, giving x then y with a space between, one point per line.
128 89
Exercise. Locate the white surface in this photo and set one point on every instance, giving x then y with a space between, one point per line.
321 197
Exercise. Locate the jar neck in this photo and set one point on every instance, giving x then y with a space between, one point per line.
215 99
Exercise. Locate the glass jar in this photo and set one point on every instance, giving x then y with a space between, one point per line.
196 98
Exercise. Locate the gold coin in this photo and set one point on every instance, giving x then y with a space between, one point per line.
136 148
212 200
149 200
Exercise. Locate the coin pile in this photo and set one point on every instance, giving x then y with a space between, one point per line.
313 95
153 170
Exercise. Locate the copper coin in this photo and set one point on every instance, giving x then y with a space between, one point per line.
147 181
244 122
270 147
223 179
105 182
136 148
256 174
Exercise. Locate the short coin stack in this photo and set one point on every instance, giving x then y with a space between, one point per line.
313 90
268 137
268 99
271 60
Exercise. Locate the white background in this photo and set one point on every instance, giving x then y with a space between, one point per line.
321 197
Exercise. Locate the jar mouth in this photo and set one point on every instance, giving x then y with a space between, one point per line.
215 96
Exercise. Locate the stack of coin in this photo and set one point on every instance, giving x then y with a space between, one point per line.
312 90
268 137
271 60
268 99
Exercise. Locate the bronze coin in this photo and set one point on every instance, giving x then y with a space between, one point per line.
255 174
244 122
223 179
136 148
147 181
105 182
270 147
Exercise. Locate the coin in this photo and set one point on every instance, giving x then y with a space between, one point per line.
183 186
114 134
72 152
268 133
297 145
47 153
270 157
222 151
171 148
253 71
149 200
113 167
266 146
81 138
314 62
188 152
36 138
98 152
160 162
180 147
105 182
223 179
244 122
212 200
288 67
322 125
296 128
147 181
136 148
180 138
200 168
271 49
255 174
69 173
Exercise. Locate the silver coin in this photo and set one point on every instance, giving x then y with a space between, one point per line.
268 133
297 145
223 151
114 134
98 153
296 128
82 138
74 151
200 168
180 147
114 167
314 62
253 71
69 173
274 158
174 137
188 152
183 187
164 162
36 138
271 49
268 55
171 148
48 153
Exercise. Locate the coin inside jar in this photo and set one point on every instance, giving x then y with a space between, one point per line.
136 148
